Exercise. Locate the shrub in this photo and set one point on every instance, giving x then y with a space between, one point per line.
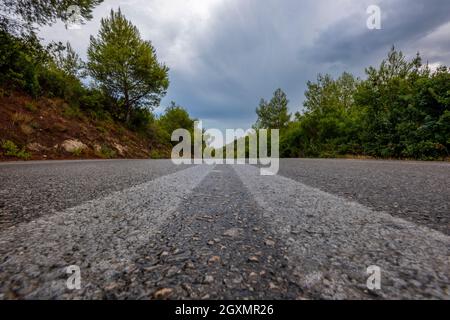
100 115
12 150
9 147
107 152
95 100
56 83
77 152
101 129
121 131
72 112
155 154
141 119
21 60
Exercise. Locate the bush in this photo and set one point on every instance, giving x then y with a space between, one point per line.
176 117
25 64
94 100
141 119
424 150
12 150
21 61
107 153
77 152
56 83
102 129
155 154
71 112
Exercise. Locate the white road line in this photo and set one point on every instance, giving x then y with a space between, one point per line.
101 236
332 242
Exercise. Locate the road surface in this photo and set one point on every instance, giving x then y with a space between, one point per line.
141 229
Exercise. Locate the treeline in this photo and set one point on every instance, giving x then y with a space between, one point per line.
122 80
401 110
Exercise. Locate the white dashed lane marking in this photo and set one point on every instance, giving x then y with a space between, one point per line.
333 241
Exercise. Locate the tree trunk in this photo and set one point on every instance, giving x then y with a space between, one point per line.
128 108
128 113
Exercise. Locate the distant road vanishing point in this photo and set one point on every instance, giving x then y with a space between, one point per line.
147 229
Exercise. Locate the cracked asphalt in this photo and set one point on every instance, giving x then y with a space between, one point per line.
150 230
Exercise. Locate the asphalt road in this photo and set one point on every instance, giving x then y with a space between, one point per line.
412 190
151 230
32 189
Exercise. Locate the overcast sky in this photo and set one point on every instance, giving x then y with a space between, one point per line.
224 55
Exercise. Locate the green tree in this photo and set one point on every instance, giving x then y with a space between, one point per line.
329 123
125 66
21 62
388 97
21 17
67 60
176 117
273 114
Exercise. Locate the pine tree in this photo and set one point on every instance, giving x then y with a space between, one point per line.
126 67
273 114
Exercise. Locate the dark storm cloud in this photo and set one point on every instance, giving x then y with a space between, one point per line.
225 55
250 51
257 47
403 22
